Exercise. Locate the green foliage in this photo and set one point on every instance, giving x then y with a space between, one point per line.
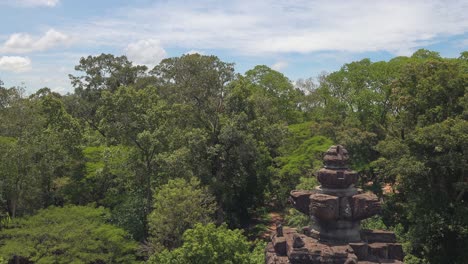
307 183
178 206
296 219
248 139
208 244
374 222
293 217
428 172
258 253
304 159
72 234
275 95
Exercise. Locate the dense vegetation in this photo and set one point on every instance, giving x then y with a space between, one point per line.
170 163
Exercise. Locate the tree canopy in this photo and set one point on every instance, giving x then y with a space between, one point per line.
142 156
72 234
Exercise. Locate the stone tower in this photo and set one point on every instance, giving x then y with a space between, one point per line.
336 208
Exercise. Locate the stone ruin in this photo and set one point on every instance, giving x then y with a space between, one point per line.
336 209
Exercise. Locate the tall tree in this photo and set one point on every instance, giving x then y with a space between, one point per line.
105 72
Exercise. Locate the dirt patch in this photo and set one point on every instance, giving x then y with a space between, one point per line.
275 217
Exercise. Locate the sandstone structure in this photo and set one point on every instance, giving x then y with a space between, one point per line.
336 209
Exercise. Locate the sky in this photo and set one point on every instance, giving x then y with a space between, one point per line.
42 40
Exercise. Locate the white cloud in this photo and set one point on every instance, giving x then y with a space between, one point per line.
268 26
24 43
15 63
34 3
280 65
147 52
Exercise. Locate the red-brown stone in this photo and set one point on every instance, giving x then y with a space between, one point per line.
379 250
371 236
301 200
330 178
324 207
365 205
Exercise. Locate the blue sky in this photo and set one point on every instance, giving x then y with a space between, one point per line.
42 40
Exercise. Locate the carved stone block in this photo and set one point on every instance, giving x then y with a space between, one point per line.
365 205
395 251
360 249
379 250
331 178
381 236
279 244
346 212
336 157
301 200
324 207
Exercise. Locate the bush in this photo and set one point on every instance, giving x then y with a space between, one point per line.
77 234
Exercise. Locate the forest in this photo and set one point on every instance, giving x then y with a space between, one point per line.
187 161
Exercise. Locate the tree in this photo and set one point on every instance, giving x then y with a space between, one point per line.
101 73
41 141
223 135
301 156
72 234
140 120
276 97
208 244
178 206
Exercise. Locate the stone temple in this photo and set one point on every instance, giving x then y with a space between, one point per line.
336 209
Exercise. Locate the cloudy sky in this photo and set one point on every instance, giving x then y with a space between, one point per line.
42 40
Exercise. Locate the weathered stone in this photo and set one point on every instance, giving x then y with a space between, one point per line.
382 236
389 261
300 256
279 229
334 236
298 242
279 244
339 179
271 257
348 192
365 205
301 200
339 231
379 250
395 251
360 249
351 261
345 212
336 157
324 207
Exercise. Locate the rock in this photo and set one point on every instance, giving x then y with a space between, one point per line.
346 212
389 261
279 230
360 249
382 236
336 157
334 236
279 244
365 205
324 207
298 242
379 250
339 179
301 200
395 251
271 257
